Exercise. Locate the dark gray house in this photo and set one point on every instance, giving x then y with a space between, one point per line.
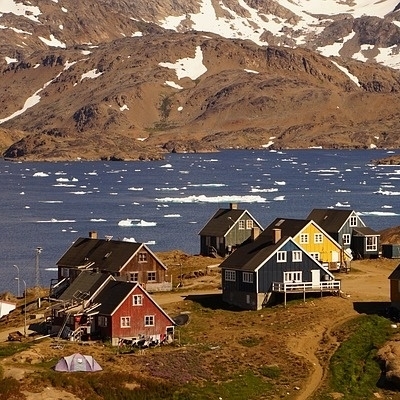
347 228
226 230
272 264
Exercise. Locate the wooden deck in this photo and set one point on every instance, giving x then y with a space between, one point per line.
305 287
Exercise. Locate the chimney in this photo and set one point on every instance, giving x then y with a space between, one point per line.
233 206
93 235
276 235
254 233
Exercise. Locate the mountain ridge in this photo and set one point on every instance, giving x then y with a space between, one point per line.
160 90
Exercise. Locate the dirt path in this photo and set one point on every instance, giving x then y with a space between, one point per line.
368 284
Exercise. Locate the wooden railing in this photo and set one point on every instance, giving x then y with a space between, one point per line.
323 286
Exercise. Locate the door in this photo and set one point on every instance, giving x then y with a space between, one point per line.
315 277
334 256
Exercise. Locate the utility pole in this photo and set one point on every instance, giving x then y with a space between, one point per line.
24 308
17 278
37 275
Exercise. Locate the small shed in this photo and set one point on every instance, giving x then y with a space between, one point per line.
391 250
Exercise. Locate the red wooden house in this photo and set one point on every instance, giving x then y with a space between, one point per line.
127 312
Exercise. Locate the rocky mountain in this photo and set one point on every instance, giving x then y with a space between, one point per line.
127 80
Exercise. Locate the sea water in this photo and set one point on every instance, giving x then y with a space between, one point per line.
166 203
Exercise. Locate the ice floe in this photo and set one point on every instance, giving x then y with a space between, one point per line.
213 199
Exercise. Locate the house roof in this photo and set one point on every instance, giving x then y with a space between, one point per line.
331 220
223 220
106 255
395 275
252 253
84 286
114 294
364 231
288 226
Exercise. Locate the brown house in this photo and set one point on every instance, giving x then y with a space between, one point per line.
125 261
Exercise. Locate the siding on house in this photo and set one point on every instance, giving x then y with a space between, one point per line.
117 306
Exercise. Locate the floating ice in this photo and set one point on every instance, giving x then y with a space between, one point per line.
40 174
166 166
54 220
258 190
380 213
51 201
339 204
342 191
387 192
131 239
64 185
172 216
279 198
135 188
280 183
97 220
135 222
213 199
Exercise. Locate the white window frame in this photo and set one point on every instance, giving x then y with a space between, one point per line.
151 276
247 277
230 275
297 256
241 225
149 320
353 220
142 257
292 276
346 239
318 238
373 246
125 322
281 256
315 255
133 276
137 300
249 224
304 238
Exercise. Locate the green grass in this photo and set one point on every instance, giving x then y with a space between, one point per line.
12 348
354 370
241 386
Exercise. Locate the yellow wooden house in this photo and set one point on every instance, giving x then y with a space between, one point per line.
314 240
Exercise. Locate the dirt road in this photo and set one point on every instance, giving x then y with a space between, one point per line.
361 287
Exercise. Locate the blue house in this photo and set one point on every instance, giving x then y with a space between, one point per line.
270 264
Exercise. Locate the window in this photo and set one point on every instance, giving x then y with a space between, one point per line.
125 322
102 321
372 243
249 224
297 256
133 276
230 275
281 256
137 300
315 256
248 299
151 276
304 238
247 277
241 224
353 221
65 272
346 239
142 257
149 320
293 276
318 238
